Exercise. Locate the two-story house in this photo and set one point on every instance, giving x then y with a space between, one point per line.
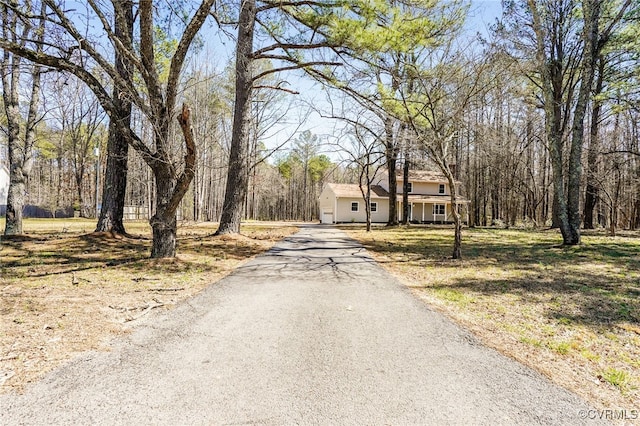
429 199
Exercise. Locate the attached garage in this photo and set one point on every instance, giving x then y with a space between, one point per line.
343 203
327 217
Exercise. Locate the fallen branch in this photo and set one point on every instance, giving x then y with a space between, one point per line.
121 309
143 313
167 289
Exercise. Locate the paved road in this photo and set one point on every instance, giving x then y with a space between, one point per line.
313 332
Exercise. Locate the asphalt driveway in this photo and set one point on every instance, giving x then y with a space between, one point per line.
313 332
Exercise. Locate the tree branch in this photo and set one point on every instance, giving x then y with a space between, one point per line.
183 47
296 66
185 178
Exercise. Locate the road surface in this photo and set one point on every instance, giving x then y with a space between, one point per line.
313 332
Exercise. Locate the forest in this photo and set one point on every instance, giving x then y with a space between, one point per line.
200 109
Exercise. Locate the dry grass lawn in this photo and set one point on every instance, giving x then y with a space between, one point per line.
64 290
573 313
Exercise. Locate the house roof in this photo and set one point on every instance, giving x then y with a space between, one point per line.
423 176
435 199
347 190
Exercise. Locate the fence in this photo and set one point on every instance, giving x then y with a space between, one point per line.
135 212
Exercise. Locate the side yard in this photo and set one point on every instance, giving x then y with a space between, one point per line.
64 291
571 313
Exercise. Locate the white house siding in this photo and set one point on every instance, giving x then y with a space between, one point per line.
335 201
338 209
346 215
326 203
4 186
382 215
430 188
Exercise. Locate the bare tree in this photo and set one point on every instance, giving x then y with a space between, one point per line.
550 24
365 154
155 98
445 85
80 117
115 179
284 47
238 176
378 57
24 34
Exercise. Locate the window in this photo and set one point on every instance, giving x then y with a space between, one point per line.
441 189
438 209
409 187
354 206
374 207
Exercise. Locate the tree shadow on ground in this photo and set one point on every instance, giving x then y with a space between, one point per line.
595 284
61 254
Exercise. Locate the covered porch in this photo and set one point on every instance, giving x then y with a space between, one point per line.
437 210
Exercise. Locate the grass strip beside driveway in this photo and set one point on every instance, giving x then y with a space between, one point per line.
573 313
64 290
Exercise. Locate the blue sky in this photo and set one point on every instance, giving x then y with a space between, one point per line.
482 14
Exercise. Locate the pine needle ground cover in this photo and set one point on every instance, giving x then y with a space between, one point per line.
64 290
572 313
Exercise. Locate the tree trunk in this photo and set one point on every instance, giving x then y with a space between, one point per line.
163 222
170 189
391 153
592 191
15 204
405 190
165 231
115 179
368 204
592 14
615 198
238 171
590 201
457 220
553 118
559 198
17 179
635 218
20 152
79 189
457 237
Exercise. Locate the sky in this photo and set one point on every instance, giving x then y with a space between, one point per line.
218 50
482 14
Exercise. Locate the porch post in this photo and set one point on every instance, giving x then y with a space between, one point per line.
424 205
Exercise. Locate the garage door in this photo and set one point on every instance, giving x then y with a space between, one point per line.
327 217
